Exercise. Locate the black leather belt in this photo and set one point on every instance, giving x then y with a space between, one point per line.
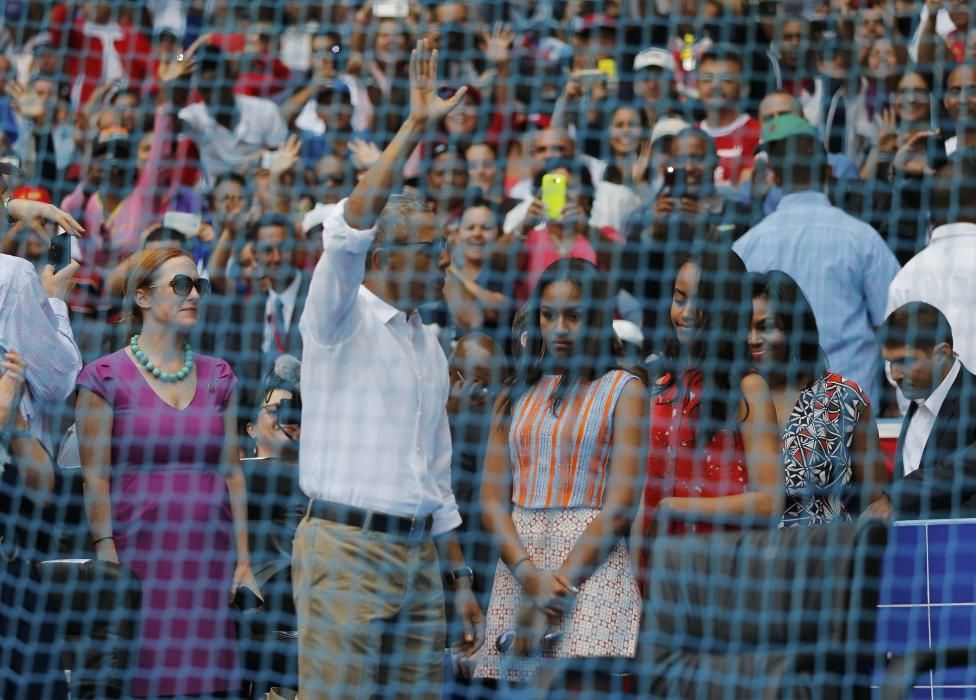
413 529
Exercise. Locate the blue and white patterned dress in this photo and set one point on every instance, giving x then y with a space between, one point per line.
817 450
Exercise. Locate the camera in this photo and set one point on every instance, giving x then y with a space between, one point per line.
290 411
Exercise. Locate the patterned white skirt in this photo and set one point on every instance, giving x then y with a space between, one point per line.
605 619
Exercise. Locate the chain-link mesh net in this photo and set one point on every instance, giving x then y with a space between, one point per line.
524 347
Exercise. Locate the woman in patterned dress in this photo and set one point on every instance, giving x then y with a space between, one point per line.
567 451
830 439
713 457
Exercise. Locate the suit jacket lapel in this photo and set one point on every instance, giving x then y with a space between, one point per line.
952 429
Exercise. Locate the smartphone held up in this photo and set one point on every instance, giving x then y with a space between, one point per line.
553 195
59 254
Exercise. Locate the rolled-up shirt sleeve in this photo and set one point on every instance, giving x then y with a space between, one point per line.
335 282
447 517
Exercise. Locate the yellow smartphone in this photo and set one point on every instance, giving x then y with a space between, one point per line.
608 67
553 195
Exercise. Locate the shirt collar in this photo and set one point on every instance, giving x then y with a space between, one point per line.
797 199
290 295
384 311
937 398
961 228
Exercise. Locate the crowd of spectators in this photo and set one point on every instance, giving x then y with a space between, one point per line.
813 157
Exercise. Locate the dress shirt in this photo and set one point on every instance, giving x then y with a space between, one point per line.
842 265
918 431
375 433
943 275
259 127
289 298
37 328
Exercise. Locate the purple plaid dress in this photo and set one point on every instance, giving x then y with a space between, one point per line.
172 523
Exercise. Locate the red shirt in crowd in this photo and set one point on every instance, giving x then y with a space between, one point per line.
99 53
735 145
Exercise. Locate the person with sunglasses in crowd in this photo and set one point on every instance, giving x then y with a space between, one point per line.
164 490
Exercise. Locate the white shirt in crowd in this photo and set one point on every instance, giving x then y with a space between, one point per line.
260 127
374 389
943 275
918 431
37 328
289 298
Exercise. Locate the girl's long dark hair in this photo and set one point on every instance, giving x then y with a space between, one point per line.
719 352
595 356
794 316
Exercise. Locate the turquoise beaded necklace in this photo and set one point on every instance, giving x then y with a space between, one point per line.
155 371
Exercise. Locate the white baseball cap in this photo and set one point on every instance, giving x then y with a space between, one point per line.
654 58
668 126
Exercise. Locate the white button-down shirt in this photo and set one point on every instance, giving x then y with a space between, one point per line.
374 393
37 328
259 127
944 275
918 431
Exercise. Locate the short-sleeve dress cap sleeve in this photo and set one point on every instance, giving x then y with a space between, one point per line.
225 381
100 378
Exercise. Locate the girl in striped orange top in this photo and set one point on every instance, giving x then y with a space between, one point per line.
567 451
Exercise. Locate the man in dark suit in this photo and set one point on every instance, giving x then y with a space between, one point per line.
935 465
268 323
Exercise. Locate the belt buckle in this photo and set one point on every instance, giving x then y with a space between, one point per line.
417 530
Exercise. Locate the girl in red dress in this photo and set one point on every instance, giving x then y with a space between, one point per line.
714 452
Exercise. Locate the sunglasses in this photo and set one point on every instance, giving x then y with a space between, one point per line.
432 249
184 284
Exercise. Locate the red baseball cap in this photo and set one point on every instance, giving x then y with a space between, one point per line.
35 194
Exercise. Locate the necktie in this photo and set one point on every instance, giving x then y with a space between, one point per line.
278 320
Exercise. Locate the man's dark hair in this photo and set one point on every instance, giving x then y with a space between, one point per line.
230 176
128 92
213 59
165 234
954 191
967 64
693 132
801 162
118 149
723 52
276 219
576 168
915 325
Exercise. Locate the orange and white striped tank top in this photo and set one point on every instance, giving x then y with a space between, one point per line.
561 461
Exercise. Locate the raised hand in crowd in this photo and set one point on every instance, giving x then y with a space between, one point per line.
911 159
498 43
285 158
640 169
426 106
184 63
364 154
26 102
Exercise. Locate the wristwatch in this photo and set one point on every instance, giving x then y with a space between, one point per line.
451 577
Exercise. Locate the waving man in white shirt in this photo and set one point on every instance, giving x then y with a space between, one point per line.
376 448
